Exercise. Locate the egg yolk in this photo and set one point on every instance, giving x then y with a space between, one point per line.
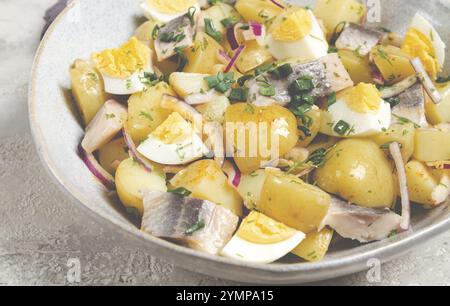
260 229
363 98
173 130
294 25
122 62
416 44
172 6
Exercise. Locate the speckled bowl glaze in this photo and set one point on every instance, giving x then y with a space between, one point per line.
89 25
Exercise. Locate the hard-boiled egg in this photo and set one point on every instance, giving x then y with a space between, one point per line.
358 112
261 239
297 34
423 41
125 70
167 10
174 142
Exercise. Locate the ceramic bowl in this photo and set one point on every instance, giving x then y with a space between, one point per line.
89 25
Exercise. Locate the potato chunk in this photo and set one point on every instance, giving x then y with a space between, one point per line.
358 171
112 154
145 113
88 90
132 180
439 113
404 134
315 246
393 64
186 84
203 55
357 66
206 181
253 56
333 12
291 201
258 10
432 145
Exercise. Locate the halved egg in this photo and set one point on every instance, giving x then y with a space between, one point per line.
125 69
261 239
174 142
423 41
297 34
167 10
357 112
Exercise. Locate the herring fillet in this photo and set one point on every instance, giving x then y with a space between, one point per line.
412 105
171 216
165 50
359 39
359 223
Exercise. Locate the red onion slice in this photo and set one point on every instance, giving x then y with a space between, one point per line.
233 173
234 59
234 35
376 75
223 57
96 169
256 32
394 149
426 81
278 4
134 152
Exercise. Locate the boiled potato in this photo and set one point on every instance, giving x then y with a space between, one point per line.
261 11
309 126
144 33
393 64
432 145
132 180
357 66
404 134
88 89
145 113
358 171
427 186
186 84
250 188
315 246
323 142
219 12
439 113
333 12
113 153
206 181
291 201
249 131
253 56
214 110
203 55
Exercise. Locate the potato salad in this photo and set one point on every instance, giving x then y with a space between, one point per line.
258 129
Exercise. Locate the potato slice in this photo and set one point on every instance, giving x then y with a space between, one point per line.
309 126
206 181
439 113
315 246
333 12
132 180
393 64
219 12
404 134
203 55
214 110
357 66
112 154
88 90
250 188
260 11
253 56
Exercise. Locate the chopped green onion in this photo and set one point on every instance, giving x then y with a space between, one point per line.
210 29
222 82
301 85
342 128
181 191
262 69
229 21
282 71
239 94
331 99
195 227
394 101
267 91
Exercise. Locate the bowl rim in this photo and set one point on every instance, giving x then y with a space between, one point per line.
276 273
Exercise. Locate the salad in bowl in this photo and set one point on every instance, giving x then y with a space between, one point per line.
253 129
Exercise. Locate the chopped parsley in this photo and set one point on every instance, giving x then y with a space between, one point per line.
342 128
195 227
181 191
210 29
222 82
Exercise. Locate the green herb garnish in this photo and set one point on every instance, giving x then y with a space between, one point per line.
239 94
342 128
181 191
301 85
194 228
282 71
210 29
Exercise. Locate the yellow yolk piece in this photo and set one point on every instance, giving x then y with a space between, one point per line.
171 6
363 98
122 62
260 229
416 44
174 129
294 25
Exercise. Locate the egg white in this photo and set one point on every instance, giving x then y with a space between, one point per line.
244 250
424 26
362 124
311 47
179 153
152 13
129 85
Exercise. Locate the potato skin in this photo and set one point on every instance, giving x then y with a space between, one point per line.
248 115
358 171
113 152
145 113
291 201
132 179
206 181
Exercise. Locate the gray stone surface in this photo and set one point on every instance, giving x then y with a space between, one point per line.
40 230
